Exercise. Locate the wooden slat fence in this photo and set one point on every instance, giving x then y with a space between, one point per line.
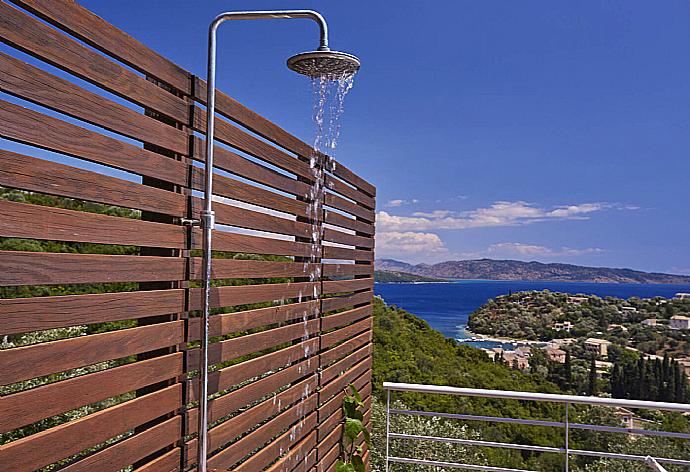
102 159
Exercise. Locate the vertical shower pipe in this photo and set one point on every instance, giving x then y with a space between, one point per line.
207 214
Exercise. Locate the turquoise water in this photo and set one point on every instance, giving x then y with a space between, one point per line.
447 306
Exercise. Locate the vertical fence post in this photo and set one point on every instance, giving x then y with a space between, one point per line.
567 436
388 424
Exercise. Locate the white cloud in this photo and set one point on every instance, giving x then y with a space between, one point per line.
532 250
403 243
398 202
500 213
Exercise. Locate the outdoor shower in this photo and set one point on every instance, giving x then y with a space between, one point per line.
322 63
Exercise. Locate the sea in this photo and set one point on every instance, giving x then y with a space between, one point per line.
447 306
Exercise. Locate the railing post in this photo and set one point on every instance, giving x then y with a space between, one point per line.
388 423
567 437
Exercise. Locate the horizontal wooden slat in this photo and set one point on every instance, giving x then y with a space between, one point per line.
336 270
58 224
168 462
336 303
236 347
333 252
23 315
43 268
232 109
37 175
335 218
244 294
102 35
132 449
230 456
342 381
335 404
30 35
244 320
252 417
232 268
36 360
243 167
234 242
350 177
331 422
227 214
236 374
37 129
345 348
342 334
222 406
349 207
26 407
236 190
342 365
345 190
237 112
228 134
30 83
341 319
341 286
44 448
299 457
340 237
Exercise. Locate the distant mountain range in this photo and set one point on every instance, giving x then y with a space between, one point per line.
489 269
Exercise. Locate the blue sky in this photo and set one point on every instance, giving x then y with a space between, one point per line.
536 130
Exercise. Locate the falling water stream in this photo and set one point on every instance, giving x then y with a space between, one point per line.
328 105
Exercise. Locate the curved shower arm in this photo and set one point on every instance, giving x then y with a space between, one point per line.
207 214
279 15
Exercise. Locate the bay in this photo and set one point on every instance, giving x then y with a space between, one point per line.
447 306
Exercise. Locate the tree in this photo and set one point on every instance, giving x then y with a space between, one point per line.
568 371
592 384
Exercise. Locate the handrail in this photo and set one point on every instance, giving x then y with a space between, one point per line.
653 462
534 396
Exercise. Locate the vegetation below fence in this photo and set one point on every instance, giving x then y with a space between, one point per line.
407 349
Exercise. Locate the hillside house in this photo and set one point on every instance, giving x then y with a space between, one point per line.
679 322
598 347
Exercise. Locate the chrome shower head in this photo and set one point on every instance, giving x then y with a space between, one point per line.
324 64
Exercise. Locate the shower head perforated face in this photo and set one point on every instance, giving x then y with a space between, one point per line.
324 64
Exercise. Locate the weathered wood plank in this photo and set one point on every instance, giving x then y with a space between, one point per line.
346 317
51 445
339 270
232 295
334 252
334 337
131 450
23 315
353 285
329 373
36 38
37 360
245 142
235 242
37 175
243 167
58 224
240 269
37 129
30 83
340 237
345 348
236 190
236 374
227 323
336 303
349 207
335 218
28 406
233 348
44 268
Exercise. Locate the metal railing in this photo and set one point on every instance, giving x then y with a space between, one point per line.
655 463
